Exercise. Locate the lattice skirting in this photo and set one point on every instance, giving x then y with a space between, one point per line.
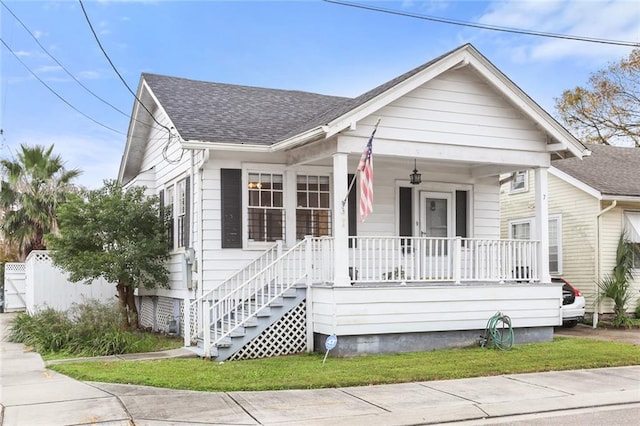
285 337
156 312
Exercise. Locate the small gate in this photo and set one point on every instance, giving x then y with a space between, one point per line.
14 287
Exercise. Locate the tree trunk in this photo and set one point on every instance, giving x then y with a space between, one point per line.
128 308
122 301
132 308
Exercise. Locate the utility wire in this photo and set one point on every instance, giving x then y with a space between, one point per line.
59 64
485 26
95 35
56 93
169 133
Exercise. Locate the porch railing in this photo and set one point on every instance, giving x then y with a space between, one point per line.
420 259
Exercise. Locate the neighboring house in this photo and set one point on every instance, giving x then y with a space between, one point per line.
268 256
591 202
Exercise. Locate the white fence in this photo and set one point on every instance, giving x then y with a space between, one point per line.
14 287
43 285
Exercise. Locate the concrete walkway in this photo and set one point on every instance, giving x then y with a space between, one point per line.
32 395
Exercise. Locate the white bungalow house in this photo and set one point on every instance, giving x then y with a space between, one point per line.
268 254
591 202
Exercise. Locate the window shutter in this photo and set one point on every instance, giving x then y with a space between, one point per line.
231 206
406 211
186 224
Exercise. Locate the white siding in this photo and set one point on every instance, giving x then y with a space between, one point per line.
371 310
457 109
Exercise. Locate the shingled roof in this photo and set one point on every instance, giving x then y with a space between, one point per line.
612 170
216 112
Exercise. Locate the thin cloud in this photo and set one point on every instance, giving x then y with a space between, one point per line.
616 20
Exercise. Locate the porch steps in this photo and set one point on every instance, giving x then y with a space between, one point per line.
251 327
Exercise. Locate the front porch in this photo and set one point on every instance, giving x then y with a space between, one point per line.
401 289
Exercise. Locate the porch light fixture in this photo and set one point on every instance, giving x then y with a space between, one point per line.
415 177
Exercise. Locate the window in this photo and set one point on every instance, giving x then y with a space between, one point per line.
176 211
313 211
266 213
169 213
632 230
181 203
520 182
522 229
555 238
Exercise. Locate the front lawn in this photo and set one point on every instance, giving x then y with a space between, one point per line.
307 371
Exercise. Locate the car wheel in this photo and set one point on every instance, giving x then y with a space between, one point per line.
570 323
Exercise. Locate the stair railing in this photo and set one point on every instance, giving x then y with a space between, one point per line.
191 320
232 310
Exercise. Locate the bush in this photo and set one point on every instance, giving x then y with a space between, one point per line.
47 331
87 329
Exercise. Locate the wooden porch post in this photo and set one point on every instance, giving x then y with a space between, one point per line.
542 224
340 221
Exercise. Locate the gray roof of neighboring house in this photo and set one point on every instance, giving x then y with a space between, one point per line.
216 112
612 170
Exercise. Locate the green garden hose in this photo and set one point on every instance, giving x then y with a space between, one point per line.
500 337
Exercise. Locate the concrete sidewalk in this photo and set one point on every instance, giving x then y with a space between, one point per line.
32 395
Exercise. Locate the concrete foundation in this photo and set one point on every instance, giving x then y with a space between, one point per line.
416 342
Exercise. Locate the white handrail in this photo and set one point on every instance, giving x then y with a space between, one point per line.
232 310
227 285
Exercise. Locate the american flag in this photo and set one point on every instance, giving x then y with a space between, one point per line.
365 168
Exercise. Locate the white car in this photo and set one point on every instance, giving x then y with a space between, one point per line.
572 303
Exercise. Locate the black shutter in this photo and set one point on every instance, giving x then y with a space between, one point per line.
186 224
353 205
231 206
406 212
461 214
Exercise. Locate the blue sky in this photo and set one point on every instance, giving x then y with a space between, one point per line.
304 45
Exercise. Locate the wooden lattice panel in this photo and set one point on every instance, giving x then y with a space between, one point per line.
145 311
285 337
14 267
194 322
165 312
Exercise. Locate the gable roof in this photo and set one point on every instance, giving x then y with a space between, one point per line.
216 112
614 171
208 115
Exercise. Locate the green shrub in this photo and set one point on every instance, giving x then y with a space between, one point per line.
47 331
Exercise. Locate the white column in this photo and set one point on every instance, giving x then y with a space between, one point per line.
340 221
542 224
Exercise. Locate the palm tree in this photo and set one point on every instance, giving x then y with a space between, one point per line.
31 189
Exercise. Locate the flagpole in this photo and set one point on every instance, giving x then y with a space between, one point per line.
353 180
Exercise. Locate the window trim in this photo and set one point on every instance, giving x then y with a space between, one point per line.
172 188
247 169
626 214
312 173
532 231
525 183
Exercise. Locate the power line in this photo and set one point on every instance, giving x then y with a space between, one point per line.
66 70
56 93
486 26
170 135
95 35
59 64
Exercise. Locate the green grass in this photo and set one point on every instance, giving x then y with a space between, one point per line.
308 371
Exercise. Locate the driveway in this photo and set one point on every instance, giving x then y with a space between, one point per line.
610 334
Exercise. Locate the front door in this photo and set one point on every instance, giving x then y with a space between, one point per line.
435 212
436 224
